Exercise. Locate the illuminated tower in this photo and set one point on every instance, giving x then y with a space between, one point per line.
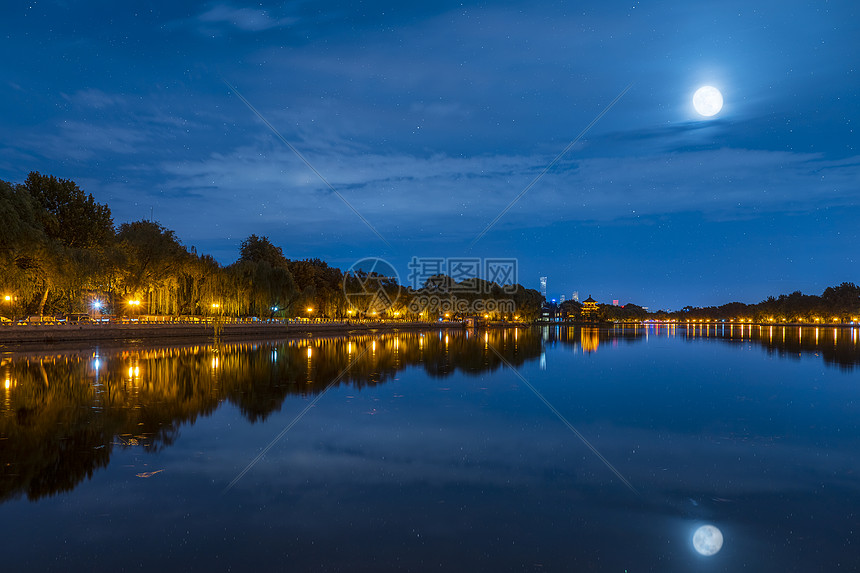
543 286
589 309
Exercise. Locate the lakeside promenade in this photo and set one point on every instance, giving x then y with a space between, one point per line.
50 333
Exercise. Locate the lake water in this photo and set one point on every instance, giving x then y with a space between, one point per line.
553 449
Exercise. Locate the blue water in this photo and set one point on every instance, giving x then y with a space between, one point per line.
482 452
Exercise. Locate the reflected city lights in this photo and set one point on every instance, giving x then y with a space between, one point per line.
259 374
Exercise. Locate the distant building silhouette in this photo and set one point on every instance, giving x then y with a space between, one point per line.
543 287
576 295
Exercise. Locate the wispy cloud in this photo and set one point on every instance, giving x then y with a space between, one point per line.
721 184
93 98
244 19
84 140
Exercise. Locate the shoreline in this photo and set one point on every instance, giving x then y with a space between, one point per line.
700 324
11 336
50 334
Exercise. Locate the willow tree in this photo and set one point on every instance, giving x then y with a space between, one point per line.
78 230
263 278
22 240
321 287
152 258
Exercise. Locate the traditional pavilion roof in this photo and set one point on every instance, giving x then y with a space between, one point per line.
589 299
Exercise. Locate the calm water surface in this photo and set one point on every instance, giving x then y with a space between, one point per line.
441 451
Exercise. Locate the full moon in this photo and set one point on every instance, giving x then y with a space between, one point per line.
708 540
708 101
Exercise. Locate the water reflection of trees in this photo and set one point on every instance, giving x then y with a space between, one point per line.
835 345
61 416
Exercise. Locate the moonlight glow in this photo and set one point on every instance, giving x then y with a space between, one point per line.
708 101
708 540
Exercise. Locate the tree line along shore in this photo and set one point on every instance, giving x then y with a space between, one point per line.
836 305
62 256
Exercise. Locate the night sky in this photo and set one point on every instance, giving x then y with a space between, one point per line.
429 120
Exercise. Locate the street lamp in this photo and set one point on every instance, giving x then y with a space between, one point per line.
134 304
8 298
96 309
310 309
